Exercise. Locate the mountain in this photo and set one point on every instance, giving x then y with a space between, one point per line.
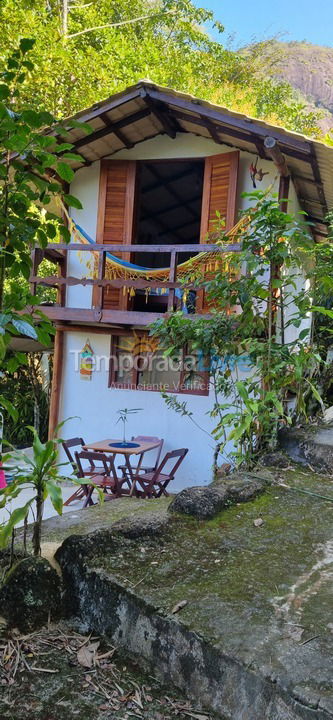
309 69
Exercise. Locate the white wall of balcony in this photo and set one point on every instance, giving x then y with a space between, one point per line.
85 187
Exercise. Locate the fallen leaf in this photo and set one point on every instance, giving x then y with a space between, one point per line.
107 654
258 522
179 606
137 699
86 656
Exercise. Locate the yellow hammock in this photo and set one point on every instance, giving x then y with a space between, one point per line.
205 262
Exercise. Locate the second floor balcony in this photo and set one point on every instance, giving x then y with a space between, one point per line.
92 284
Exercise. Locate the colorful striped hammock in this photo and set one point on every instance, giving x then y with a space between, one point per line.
205 262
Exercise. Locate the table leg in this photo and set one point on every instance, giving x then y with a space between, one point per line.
130 473
137 472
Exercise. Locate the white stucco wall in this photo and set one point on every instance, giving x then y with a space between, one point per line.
85 187
96 406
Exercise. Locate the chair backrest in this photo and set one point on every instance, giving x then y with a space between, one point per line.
179 457
107 463
67 444
151 438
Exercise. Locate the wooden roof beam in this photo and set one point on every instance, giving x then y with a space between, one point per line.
310 181
317 177
110 129
112 103
117 132
218 128
217 115
273 150
214 133
215 129
159 111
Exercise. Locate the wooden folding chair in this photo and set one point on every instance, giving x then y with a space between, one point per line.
144 468
78 442
105 480
154 484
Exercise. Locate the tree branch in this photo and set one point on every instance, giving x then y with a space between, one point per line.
118 24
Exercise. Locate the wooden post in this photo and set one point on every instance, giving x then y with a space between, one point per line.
284 192
97 296
56 382
172 278
62 273
36 259
273 150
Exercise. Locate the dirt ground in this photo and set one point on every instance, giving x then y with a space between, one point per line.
58 674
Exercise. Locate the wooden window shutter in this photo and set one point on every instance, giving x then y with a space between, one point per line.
115 220
219 195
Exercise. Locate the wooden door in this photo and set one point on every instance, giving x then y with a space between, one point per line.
219 195
115 221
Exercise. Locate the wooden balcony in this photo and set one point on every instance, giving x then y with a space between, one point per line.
62 312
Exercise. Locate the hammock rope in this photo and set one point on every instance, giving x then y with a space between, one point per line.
204 262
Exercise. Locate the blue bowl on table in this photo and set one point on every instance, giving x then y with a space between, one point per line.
124 445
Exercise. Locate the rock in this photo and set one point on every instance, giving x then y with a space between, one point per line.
309 445
258 522
275 459
141 525
244 487
30 594
205 502
328 415
200 502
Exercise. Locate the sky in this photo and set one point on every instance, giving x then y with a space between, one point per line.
250 20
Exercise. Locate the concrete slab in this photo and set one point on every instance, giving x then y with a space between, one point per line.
254 636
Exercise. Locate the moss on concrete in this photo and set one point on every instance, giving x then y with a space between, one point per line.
98 517
263 593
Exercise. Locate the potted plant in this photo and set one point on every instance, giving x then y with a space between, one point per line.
123 417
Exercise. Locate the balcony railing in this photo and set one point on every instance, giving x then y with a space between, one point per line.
58 253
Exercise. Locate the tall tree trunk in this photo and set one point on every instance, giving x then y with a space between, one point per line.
4 232
64 18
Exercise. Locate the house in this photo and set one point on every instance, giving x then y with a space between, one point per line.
155 169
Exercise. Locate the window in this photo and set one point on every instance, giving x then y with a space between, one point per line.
136 363
163 202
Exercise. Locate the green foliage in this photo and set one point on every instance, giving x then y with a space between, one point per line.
28 168
42 475
260 356
103 51
322 285
25 386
